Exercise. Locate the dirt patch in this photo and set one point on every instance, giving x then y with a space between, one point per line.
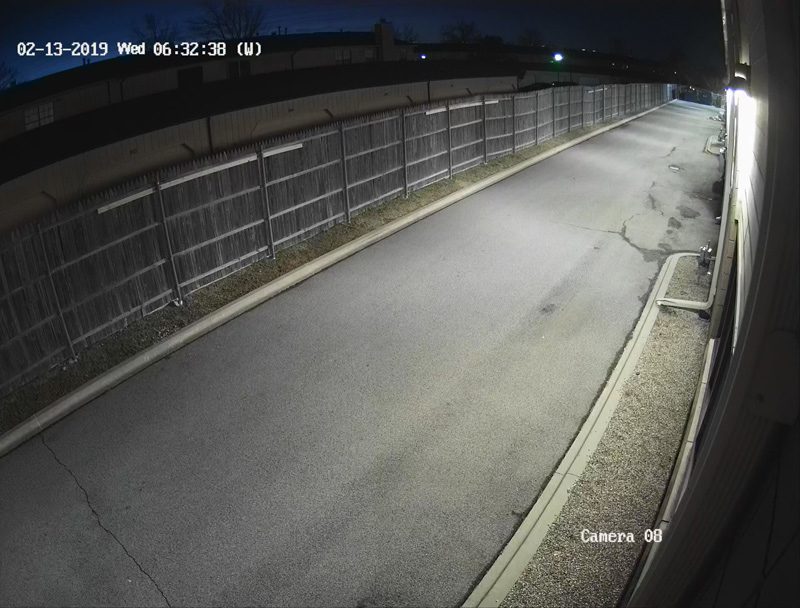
673 223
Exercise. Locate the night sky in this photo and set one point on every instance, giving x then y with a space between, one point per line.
648 29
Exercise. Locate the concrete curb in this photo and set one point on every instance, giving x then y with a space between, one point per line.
105 382
509 565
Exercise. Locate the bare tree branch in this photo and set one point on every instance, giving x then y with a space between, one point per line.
228 20
8 76
152 29
461 32
409 34
529 37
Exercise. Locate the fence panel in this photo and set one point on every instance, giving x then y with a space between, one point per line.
427 146
526 119
215 223
30 327
587 106
305 184
545 121
608 101
107 267
601 103
466 135
575 107
561 109
374 151
499 127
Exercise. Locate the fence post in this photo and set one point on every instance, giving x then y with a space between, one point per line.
625 99
449 144
405 152
603 109
569 109
554 111
513 123
583 107
536 122
614 100
56 301
485 147
176 285
262 178
345 187
594 105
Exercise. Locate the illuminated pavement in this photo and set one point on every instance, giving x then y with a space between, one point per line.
374 435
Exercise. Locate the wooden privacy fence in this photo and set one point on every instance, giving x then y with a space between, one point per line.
86 270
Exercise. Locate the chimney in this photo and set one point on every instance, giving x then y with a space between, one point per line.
384 39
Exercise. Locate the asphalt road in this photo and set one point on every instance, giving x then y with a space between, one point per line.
374 435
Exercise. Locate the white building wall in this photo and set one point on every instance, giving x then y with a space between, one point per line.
751 117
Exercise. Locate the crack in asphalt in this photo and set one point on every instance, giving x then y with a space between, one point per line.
652 201
654 204
99 521
649 255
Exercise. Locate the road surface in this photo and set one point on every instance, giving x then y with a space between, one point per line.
374 435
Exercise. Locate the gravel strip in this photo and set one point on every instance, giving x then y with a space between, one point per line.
624 482
30 398
690 281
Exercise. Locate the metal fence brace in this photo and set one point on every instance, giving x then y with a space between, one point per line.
262 186
176 284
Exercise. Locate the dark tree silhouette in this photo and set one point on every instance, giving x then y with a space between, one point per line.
228 20
461 32
8 76
529 37
409 34
153 29
491 40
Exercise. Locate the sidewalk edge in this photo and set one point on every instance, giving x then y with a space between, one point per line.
512 560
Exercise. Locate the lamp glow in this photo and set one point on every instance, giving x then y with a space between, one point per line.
558 56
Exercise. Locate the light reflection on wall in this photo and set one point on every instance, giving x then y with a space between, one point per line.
744 107
745 137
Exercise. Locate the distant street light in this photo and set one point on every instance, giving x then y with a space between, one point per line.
423 56
557 59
